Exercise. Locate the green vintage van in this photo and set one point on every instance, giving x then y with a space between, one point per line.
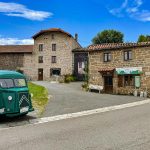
15 99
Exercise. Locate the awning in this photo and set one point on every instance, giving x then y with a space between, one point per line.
129 70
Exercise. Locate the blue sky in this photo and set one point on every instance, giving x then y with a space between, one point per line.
20 19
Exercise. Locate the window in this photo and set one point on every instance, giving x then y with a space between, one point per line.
126 80
107 57
53 37
127 55
20 82
40 47
6 83
53 47
53 59
55 71
40 59
129 80
10 83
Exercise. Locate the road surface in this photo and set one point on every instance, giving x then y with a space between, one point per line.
126 129
69 98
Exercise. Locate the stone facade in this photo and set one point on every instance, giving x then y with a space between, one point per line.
11 61
64 58
98 69
27 67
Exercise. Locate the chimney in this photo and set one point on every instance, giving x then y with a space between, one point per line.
76 37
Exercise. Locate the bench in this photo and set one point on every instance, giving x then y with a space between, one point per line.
95 87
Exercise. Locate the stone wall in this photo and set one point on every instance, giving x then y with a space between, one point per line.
28 68
140 58
11 61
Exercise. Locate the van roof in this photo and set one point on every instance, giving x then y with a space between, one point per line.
10 74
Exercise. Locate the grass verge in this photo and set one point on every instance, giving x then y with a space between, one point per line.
40 97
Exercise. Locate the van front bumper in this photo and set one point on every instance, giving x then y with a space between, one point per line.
14 114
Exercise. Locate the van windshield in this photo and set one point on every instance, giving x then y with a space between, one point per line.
20 82
10 83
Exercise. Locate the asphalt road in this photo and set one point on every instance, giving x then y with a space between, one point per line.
126 129
69 98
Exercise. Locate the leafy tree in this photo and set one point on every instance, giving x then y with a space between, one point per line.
144 38
108 36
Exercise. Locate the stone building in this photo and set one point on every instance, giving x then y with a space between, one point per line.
16 57
51 55
120 68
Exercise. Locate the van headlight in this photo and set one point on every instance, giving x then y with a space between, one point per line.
9 98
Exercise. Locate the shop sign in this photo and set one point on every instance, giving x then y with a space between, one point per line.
129 70
137 81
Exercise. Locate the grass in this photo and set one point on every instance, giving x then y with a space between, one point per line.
40 97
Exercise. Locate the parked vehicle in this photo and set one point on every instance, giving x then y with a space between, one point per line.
15 98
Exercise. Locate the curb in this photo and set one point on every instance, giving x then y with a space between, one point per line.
88 112
81 114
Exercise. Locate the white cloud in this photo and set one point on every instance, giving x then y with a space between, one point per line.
18 10
132 9
15 41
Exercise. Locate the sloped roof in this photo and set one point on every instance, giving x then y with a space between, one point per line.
109 46
51 30
16 48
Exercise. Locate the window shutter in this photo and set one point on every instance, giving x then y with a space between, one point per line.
125 56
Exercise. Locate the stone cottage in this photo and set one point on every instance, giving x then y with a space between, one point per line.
16 57
120 68
51 55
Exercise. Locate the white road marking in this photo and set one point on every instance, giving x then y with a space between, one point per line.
84 113
88 112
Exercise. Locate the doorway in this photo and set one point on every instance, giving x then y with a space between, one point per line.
40 74
108 84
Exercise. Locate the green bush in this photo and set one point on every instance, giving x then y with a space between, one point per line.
85 86
69 78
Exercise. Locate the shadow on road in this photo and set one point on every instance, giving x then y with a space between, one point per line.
15 121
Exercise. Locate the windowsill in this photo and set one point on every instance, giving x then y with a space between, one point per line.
127 87
106 61
128 60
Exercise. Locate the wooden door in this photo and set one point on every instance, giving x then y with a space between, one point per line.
108 84
40 74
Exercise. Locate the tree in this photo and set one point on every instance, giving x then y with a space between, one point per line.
108 36
144 38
